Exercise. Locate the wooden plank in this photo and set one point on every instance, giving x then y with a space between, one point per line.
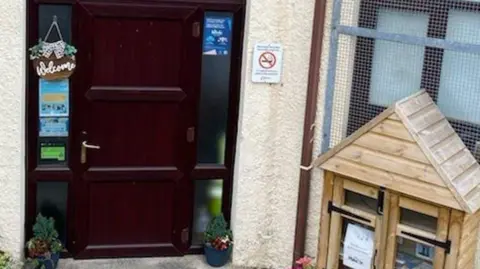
402 229
468 180
459 163
473 199
468 241
466 257
382 230
414 104
392 146
442 232
447 148
362 189
394 164
394 218
347 141
425 117
454 235
436 133
427 192
335 225
418 206
372 218
324 221
394 129
394 117
422 144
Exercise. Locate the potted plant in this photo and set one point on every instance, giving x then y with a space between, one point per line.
218 242
6 261
44 247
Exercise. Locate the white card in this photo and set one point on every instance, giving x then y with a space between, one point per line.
358 247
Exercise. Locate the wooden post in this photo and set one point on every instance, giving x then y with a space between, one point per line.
456 220
442 233
324 221
392 232
336 226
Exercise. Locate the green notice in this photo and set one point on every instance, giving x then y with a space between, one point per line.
53 153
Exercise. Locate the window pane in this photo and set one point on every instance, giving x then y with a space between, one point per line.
208 203
361 202
52 202
214 97
412 255
459 93
418 220
45 16
397 68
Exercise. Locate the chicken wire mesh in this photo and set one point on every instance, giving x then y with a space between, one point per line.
435 48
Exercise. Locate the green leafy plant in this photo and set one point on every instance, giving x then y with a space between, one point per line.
44 242
36 51
6 260
217 234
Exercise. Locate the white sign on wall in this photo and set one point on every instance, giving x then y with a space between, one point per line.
267 63
358 247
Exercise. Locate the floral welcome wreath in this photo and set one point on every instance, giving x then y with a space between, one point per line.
53 61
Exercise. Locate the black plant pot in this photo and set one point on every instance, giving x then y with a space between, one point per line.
217 258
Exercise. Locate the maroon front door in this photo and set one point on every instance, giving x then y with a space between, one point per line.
134 110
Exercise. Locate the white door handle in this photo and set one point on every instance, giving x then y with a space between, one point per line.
84 144
83 152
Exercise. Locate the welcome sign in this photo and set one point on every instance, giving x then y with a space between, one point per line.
52 68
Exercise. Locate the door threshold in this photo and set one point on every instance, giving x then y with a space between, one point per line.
184 262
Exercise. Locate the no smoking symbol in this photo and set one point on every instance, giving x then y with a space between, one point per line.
267 60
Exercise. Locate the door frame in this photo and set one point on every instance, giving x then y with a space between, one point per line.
35 174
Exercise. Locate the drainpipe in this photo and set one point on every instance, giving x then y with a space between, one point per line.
309 130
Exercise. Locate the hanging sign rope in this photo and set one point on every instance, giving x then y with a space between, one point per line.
53 61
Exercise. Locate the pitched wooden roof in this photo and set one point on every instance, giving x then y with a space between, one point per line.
411 148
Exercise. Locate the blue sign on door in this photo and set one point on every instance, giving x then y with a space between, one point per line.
217 34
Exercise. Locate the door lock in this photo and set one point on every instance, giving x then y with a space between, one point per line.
83 151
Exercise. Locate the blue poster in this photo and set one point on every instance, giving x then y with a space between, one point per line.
217 34
53 97
53 127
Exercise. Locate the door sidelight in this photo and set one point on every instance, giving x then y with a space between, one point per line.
83 151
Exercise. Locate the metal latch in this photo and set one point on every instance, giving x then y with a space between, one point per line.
380 201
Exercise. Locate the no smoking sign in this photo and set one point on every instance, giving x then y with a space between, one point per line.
267 62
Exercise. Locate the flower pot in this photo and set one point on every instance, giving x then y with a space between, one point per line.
49 262
217 258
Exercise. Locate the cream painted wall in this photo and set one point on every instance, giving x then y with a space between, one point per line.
12 118
270 136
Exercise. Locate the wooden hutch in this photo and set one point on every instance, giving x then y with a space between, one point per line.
408 178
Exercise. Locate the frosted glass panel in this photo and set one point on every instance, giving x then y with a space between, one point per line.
397 68
459 92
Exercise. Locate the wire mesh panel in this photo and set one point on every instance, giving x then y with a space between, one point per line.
388 49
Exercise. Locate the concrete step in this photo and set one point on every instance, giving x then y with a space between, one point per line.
186 262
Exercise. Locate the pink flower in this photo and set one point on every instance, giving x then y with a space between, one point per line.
304 261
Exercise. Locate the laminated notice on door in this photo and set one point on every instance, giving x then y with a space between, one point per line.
358 247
